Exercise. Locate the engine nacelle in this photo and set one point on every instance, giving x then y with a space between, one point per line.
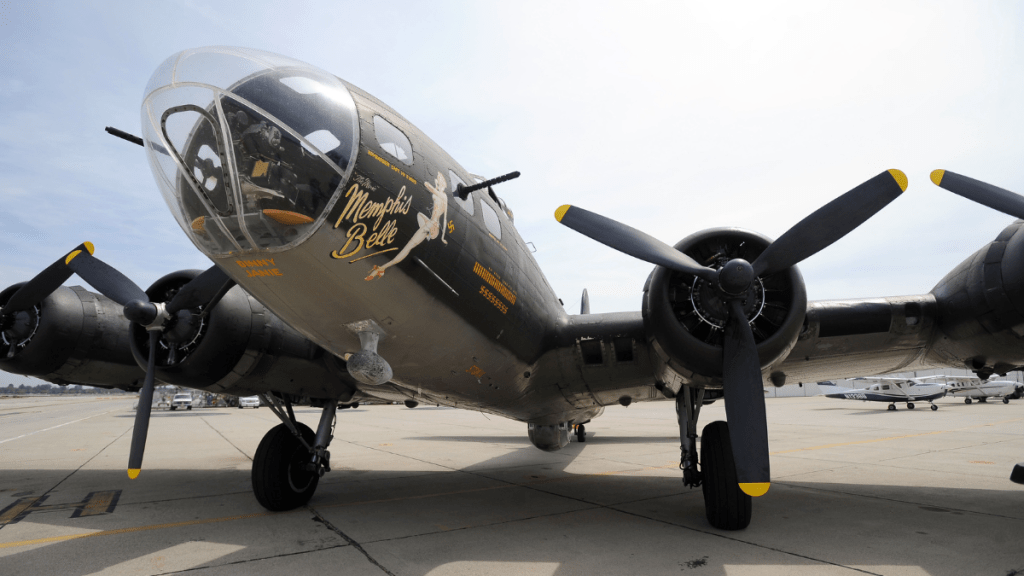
72 336
685 317
981 308
239 348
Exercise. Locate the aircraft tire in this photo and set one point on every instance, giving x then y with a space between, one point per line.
891 407
726 506
967 400
1006 400
910 405
982 399
280 480
581 433
934 407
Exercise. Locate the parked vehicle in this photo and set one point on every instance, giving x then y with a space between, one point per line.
182 401
249 402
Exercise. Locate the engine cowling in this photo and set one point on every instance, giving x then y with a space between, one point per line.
981 308
72 336
684 316
239 348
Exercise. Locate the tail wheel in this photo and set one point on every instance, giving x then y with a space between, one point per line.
934 407
726 506
280 480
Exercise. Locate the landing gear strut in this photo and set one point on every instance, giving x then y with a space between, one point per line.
291 458
725 505
688 404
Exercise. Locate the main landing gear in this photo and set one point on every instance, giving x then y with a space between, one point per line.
581 433
725 505
291 458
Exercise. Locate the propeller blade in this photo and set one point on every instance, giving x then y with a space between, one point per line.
994 197
630 241
831 222
744 403
105 279
141 429
199 291
37 289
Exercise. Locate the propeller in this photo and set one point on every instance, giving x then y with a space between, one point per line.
741 370
156 317
985 194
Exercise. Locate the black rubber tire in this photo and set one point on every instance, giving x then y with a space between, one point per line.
891 407
726 506
934 407
967 400
189 408
280 480
581 433
982 399
1006 400
910 405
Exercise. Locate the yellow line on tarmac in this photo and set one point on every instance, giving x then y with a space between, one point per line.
128 530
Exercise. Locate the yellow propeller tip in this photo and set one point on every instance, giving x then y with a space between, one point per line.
89 247
133 473
936 177
71 257
900 178
756 489
560 213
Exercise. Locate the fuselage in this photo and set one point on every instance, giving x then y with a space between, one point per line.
981 389
371 230
889 391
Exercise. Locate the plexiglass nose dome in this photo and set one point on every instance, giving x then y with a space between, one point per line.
248 148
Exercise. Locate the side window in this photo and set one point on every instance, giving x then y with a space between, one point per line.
491 220
392 140
885 387
466 204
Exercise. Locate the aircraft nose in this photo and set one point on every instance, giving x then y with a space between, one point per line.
249 148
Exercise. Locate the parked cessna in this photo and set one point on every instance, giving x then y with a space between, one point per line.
354 258
891 390
970 388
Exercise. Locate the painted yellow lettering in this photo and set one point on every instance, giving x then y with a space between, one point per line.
356 233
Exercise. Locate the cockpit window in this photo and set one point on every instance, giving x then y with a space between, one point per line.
248 148
454 183
501 204
393 140
491 220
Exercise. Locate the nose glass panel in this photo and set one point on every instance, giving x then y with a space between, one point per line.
250 161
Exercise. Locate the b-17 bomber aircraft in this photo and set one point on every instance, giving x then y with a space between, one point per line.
891 390
353 258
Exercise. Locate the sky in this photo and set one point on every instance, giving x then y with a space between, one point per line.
671 117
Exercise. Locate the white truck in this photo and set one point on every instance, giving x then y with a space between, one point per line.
182 401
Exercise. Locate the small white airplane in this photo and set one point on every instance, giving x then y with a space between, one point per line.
891 390
970 388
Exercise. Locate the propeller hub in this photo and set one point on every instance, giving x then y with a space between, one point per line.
150 315
736 277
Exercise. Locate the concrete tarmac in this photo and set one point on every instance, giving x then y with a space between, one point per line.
434 491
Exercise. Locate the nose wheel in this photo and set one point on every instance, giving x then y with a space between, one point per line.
291 458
